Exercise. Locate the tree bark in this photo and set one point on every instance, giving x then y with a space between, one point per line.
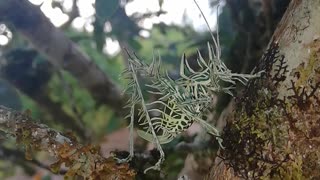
274 131
28 20
83 161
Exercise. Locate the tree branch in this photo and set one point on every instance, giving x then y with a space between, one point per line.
83 161
28 20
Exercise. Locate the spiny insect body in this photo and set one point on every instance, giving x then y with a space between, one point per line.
180 102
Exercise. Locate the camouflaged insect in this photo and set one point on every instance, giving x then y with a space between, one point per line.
181 102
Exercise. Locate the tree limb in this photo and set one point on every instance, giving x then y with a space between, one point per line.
83 161
28 20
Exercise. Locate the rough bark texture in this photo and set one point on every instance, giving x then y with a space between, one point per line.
274 131
83 161
28 20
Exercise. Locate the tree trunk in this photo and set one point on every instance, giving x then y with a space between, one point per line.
274 131
28 20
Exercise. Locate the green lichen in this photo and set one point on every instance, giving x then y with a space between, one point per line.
272 137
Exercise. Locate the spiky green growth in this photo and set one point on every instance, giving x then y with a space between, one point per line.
181 102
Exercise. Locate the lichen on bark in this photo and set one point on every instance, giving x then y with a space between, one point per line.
272 136
82 161
273 132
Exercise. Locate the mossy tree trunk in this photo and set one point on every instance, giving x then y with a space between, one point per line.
274 130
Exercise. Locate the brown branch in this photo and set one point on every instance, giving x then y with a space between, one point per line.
83 161
28 20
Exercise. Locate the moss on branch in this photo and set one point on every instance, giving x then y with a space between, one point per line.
81 161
